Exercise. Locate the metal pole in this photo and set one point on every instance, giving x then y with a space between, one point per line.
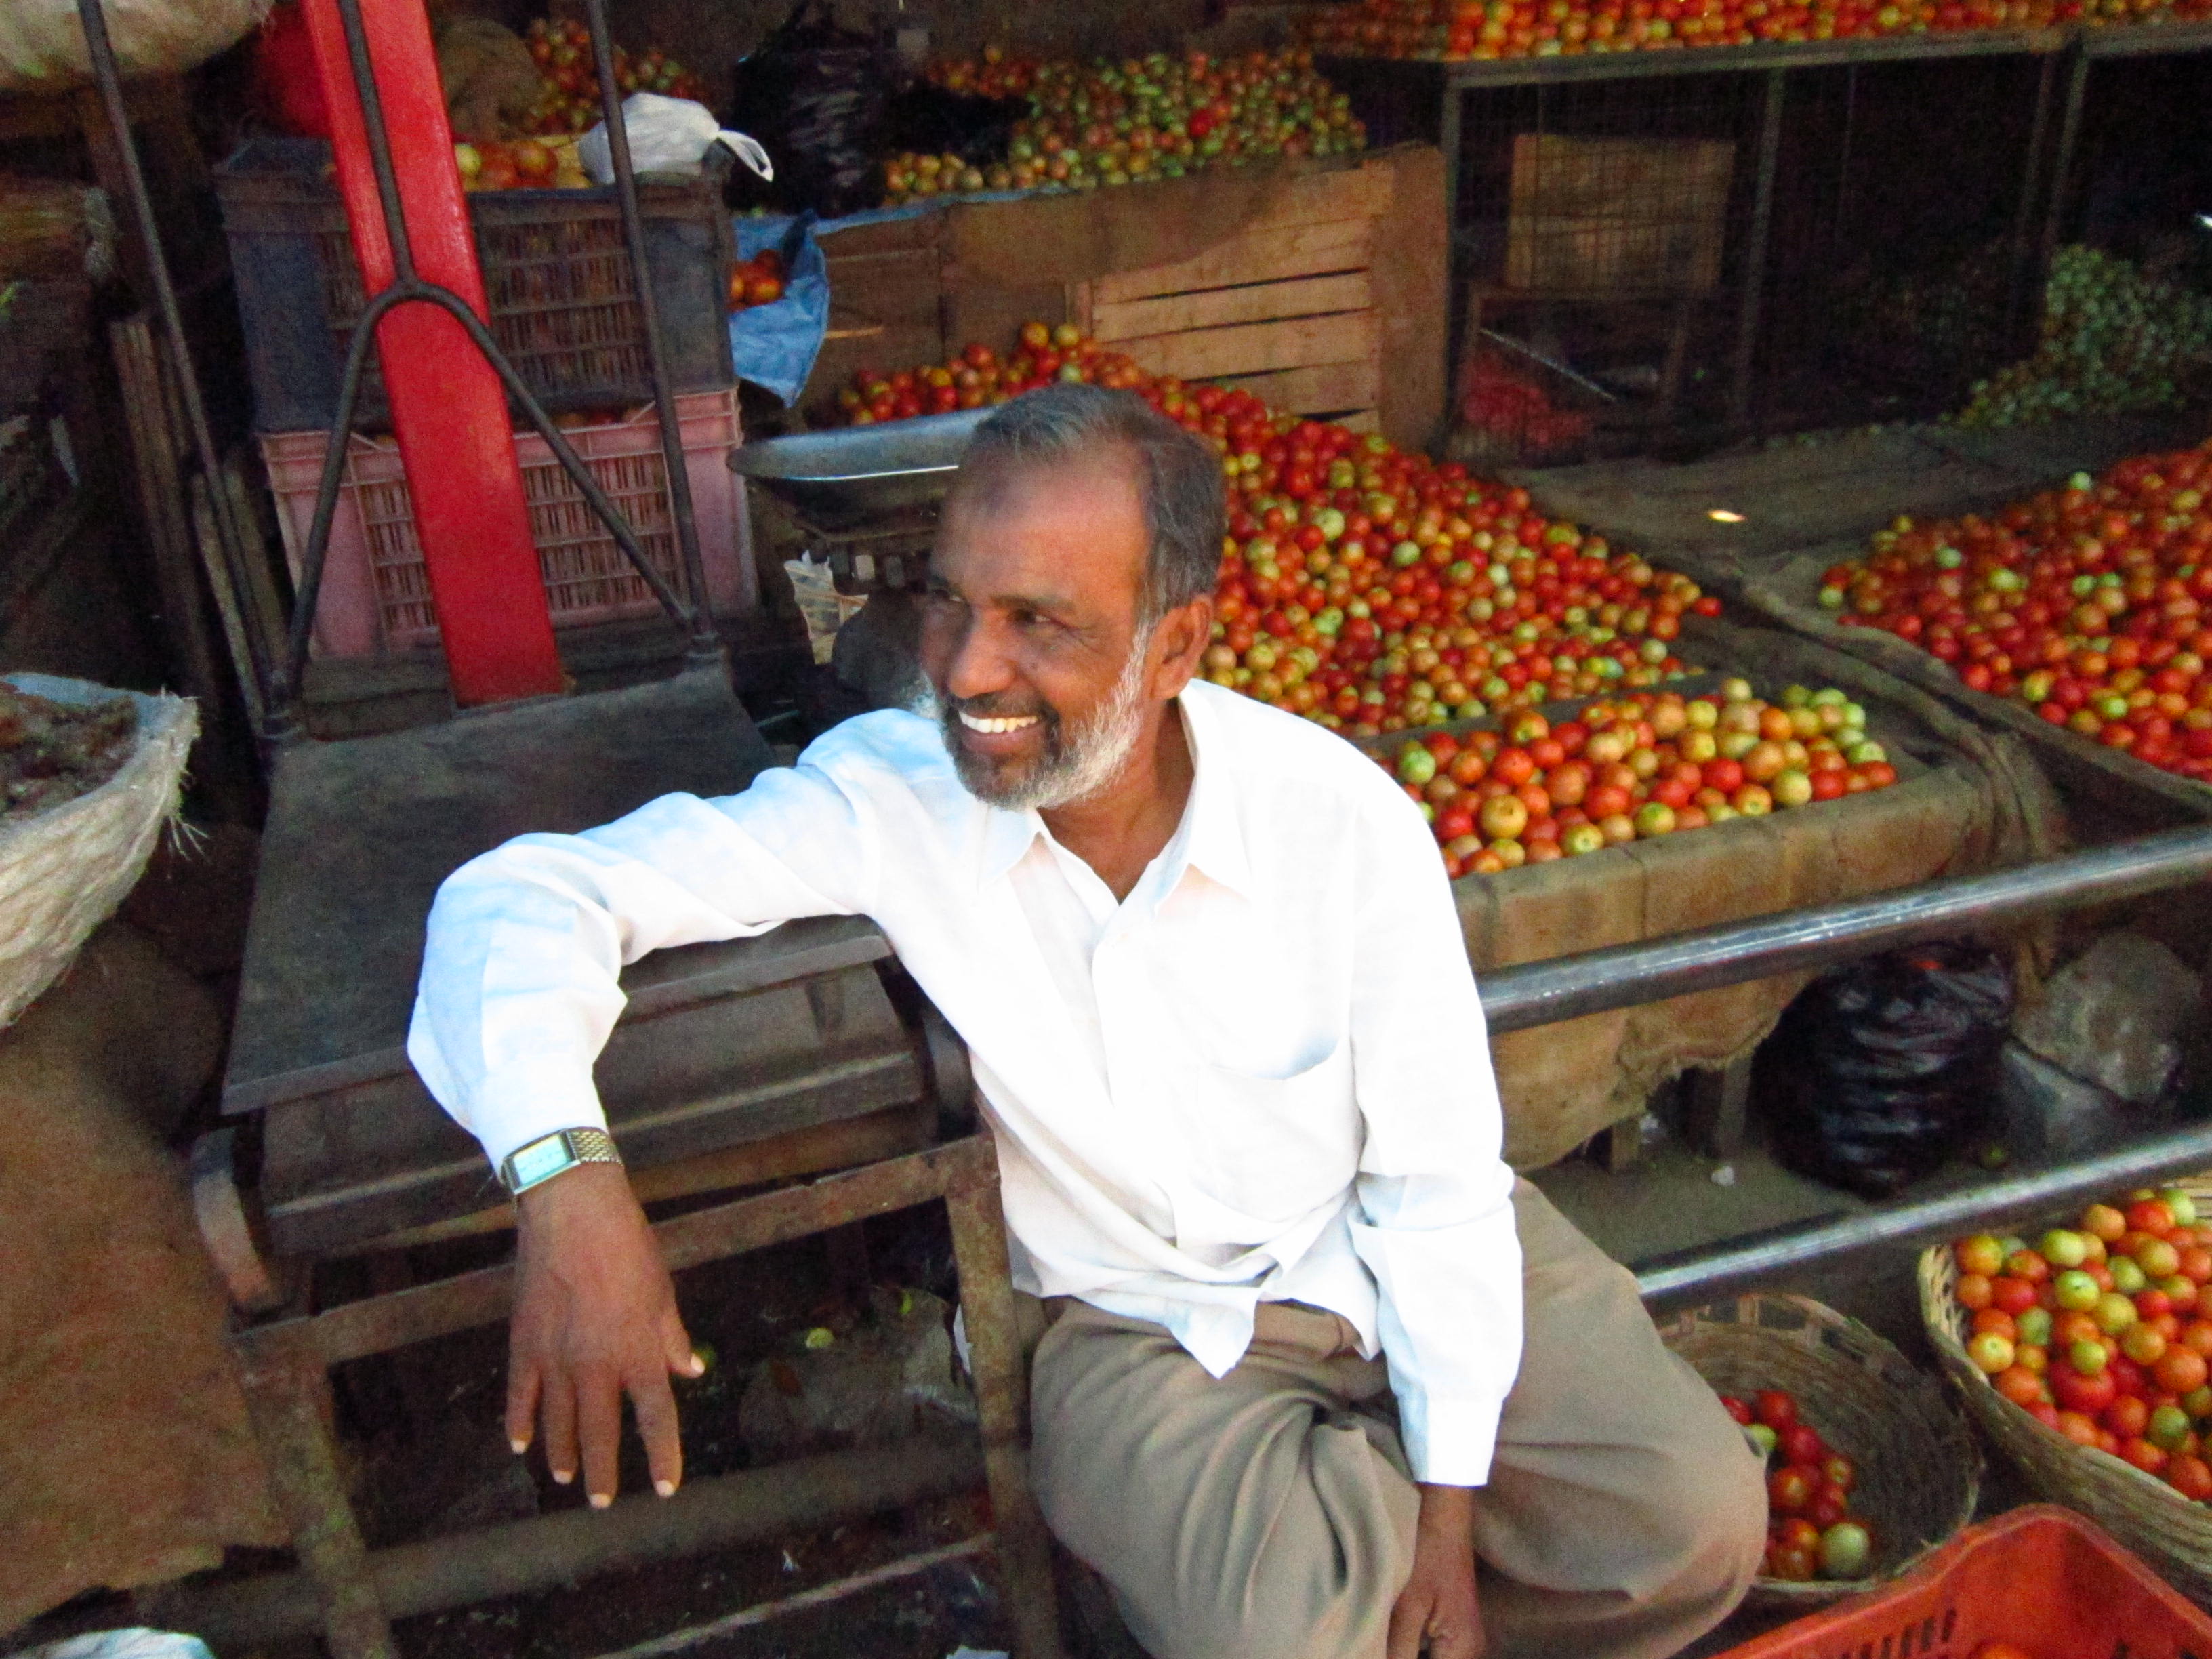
2062 160
106 71
521 1556
705 646
1689 1278
1754 261
2022 276
1514 999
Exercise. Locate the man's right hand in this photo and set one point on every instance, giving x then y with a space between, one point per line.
594 1317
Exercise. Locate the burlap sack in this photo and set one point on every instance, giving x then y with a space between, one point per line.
125 1452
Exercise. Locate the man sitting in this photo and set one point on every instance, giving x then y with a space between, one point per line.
1319 1378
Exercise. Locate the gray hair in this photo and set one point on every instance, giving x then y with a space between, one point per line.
1185 512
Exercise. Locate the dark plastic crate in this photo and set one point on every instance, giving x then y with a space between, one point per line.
556 271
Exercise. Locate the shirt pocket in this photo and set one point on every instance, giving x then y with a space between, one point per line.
1273 1145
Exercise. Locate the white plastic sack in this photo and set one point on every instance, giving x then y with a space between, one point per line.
135 1643
63 870
667 135
42 41
2117 1016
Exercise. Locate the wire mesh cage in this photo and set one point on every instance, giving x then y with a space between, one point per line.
1602 225
1899 261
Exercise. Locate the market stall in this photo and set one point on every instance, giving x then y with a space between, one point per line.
1668 784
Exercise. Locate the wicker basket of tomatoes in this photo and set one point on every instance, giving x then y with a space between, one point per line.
1853 1422
2086 1358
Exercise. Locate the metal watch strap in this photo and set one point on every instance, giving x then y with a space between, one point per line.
581 1146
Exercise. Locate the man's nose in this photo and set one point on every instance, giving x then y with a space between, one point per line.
973 661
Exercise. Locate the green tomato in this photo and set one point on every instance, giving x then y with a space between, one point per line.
2114 1312
1764 1440
2076 1291
2183 1206
2128 1279
2035 1327
2062 1249
1846 1551
1416 765
2169 1427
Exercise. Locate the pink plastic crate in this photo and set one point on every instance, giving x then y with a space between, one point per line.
375 598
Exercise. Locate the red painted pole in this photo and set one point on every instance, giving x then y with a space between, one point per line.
448 410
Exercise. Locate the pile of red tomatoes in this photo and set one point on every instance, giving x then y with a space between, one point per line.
2086 603
1811 1532
1453 30
2103 1331
1631 769
1362 586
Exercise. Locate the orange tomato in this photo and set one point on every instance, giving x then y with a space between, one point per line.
1973 1291
2190 1476
1996 1319
2181 1370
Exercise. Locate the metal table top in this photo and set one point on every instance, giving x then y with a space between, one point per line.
359 835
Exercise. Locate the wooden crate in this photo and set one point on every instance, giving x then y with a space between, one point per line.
1628 214
1286 308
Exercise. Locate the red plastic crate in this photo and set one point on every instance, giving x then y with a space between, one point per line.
2040 1578
375 599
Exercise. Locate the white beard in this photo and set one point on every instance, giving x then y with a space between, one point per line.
1077 762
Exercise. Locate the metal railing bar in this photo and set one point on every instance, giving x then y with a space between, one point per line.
416 290
1622 976
1708 1273
99 49
704 643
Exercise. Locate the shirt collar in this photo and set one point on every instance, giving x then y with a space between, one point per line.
1211 833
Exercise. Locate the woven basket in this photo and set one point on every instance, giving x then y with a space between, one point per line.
2141 1510
1919 1471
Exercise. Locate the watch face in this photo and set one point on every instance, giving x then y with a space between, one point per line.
541 1158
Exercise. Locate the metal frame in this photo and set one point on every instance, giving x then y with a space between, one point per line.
281 682
286 1359
1539 994
2066 50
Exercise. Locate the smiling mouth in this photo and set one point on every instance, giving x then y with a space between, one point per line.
995 724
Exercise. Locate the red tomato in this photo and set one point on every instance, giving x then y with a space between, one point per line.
1789 1490
1775 1408
1737 1409
1802 1444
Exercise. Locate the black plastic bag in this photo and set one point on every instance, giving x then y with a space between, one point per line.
814 94
927 120
1880 1071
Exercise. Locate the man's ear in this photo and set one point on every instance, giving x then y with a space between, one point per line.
1178 643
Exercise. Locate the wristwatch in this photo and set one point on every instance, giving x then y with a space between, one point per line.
538 1161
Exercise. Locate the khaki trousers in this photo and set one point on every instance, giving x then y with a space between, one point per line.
1269 1513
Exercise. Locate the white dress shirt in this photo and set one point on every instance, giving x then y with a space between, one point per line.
1261 1077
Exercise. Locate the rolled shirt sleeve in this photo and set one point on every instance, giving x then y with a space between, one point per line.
525 944
1434 1220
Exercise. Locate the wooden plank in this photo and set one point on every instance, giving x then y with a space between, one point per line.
1251 256
1256 302
1205 353
1365 420
1356 384
1360 192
